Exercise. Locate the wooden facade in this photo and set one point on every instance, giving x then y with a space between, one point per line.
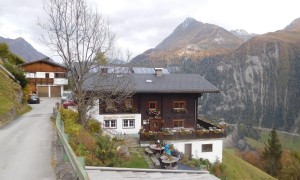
46 78
160 110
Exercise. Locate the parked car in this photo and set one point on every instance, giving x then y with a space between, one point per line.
68 103
34 99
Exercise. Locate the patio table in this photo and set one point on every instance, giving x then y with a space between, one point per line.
169 160
157 148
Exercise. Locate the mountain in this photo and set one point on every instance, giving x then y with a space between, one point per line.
23 49
191 39
294 25
259 81
242 34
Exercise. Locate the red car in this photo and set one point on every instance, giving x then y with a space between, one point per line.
68 103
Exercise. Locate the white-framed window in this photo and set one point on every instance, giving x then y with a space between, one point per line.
110 124
128 123
207 147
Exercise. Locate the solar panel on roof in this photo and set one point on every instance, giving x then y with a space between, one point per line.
143 70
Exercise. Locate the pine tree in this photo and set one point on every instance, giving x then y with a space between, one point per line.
272 154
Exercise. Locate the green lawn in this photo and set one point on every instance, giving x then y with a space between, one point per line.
136 160
237 168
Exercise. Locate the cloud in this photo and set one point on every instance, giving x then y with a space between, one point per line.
142 24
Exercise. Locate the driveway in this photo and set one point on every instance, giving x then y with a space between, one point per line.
25 145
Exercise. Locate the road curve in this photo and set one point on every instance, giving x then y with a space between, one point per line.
25 145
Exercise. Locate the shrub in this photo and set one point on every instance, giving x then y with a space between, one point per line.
94 126
218 169
69 116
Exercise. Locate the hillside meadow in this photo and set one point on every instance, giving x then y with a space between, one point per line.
290 142
236 168
9 107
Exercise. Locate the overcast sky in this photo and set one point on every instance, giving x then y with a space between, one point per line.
142 24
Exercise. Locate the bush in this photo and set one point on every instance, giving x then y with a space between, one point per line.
68 116
96 149
94 126
218 169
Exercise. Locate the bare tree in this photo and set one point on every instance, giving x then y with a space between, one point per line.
81 36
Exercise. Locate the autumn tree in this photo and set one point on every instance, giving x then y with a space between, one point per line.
272 154
83 39
290 166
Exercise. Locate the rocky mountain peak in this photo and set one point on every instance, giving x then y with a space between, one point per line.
192 39
239 32
294 25
242 34
187 22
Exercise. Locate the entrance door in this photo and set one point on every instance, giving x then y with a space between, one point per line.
155 125
188 150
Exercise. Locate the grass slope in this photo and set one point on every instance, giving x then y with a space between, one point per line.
287 141
237 168
8 96
7 87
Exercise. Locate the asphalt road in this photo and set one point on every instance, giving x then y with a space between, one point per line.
25 145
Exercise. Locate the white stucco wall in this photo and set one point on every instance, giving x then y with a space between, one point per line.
217 148
119 118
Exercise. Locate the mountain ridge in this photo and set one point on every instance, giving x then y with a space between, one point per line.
22 48
258 81
191 39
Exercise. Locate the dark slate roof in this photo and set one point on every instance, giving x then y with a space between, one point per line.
173 83
150 83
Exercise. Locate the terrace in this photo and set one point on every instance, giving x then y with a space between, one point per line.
203 130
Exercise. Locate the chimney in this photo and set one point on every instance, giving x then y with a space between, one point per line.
158 72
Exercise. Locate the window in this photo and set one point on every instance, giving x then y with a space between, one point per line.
128 103
47 75
207 147
178 123
152 105
110 123
128 123
179 104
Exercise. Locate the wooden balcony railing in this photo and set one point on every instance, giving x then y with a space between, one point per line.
183 135
41 80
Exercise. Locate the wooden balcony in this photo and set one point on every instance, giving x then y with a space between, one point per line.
182 135
41 80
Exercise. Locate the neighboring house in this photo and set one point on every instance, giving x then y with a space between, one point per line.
46 78
164 106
